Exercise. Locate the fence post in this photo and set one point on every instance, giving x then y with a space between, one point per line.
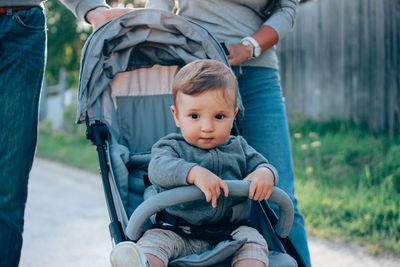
62 87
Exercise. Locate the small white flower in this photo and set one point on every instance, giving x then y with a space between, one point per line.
313 134
316 144
297 135
309 170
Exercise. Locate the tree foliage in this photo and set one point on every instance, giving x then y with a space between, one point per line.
65 39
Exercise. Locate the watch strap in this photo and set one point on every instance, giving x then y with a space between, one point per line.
247 43
256 51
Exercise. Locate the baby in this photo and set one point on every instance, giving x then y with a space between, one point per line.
205 154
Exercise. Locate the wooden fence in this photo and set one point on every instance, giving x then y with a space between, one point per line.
342 61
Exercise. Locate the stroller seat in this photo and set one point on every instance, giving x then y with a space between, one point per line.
127 69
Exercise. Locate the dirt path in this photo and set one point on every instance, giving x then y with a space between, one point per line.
67 225
334 254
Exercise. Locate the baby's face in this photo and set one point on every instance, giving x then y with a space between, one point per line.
205 119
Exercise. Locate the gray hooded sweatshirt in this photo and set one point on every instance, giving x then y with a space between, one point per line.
172 158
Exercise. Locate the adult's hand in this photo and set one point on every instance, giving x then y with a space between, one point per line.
238 53
266 37
101 15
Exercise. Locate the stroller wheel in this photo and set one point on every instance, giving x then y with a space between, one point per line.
126 254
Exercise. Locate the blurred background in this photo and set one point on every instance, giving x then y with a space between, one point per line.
340 74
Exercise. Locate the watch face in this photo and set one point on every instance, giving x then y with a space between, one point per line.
245 43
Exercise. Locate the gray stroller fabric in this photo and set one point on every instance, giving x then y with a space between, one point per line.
117 46
221 251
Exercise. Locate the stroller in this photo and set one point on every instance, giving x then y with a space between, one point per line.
127 69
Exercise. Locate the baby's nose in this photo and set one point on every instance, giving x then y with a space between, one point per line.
207 126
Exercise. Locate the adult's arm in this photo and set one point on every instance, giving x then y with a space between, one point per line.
100 15
95 12
277 26
279 23
80 8
282 18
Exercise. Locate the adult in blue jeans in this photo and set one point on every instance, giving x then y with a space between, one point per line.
22 57
250 29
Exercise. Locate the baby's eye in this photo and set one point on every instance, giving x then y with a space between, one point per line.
219 116
194 116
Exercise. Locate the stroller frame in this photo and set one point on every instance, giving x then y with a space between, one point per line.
99 134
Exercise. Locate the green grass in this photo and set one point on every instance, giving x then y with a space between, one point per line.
347 179
70 148
348 184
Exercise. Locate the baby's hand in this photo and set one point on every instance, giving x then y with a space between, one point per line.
262 183
208 183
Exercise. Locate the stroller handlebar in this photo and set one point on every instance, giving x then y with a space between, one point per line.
184 194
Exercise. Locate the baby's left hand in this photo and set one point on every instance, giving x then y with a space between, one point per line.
262 183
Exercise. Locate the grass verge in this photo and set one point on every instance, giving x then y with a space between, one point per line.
348 184
70 147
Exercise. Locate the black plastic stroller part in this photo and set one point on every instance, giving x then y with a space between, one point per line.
223 45
97 133
286 242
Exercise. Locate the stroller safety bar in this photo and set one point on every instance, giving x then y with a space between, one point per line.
184 194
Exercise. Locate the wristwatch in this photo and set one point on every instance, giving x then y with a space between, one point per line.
254 46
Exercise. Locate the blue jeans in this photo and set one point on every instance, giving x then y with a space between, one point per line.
265 128
22 56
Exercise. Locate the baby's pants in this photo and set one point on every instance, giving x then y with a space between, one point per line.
168 245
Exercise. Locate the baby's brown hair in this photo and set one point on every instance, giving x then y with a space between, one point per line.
202 75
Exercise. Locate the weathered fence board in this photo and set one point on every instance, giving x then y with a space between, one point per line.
342 62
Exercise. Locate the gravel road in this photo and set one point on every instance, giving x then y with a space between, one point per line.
66 224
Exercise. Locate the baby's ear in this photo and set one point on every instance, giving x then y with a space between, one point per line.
174 111
236 110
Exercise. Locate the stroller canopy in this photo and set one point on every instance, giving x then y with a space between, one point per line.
143 37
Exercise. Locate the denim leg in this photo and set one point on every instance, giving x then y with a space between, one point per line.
22 53
265 128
